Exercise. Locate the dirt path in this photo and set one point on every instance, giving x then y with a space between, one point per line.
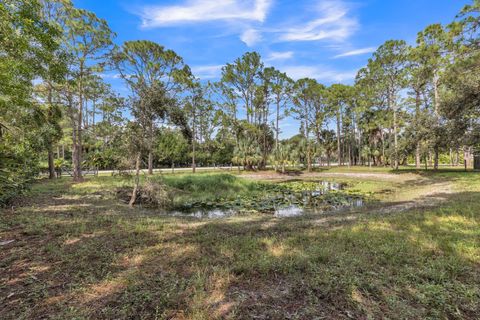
428 193
434 196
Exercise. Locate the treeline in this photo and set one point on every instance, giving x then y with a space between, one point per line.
409 104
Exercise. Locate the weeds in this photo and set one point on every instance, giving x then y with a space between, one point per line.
77 256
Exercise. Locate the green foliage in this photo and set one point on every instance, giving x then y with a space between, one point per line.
283 156
247 153
18 167
171 147
27 47
407 103
243 76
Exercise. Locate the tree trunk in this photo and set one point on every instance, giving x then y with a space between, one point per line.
277 129
93 113
436 96
339 145
435 157
150 147
150 162
137 181
309 157
51 165
417 114
417 156
265 155
353 141
395 137
194 165
349 154
437 116
382 134
85 113
307 136
75 157
77 141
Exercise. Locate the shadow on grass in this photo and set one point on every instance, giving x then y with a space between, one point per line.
113 263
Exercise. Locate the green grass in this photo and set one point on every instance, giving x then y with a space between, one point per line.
210 187
191 192
81 254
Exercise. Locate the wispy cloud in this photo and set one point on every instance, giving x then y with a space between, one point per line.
334 23
321 73
251 37
110 75
332 19
276 56
207 72
356 52
196 11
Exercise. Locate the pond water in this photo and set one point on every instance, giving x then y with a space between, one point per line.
293 211
302 198
205 213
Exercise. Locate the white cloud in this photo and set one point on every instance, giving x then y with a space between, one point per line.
356 52
276 56
110 75
197 11
332 19
251 37
321 73
334 23
207 72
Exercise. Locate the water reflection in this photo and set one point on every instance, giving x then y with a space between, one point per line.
290 211
294 210
205 213
326 196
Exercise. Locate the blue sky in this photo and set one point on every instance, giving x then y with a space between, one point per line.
328 40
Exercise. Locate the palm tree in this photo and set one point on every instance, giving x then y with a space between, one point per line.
247 154
282 156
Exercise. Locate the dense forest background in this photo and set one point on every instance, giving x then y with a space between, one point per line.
415 104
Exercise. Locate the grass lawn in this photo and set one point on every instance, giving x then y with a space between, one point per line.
80 253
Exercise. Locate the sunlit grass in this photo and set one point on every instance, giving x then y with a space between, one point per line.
78 256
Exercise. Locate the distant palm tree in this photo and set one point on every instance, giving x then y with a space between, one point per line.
282 156
247 154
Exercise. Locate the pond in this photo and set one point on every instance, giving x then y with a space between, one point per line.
286 199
